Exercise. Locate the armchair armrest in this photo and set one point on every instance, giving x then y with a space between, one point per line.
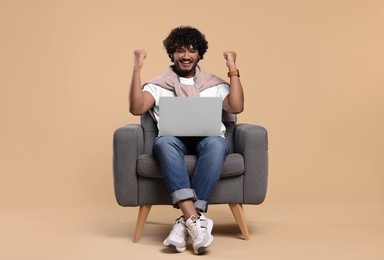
128 144
252 142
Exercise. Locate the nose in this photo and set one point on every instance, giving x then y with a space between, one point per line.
186 55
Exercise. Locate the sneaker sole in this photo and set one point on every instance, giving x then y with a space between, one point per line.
175 248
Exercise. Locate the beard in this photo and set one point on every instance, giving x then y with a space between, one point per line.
185 70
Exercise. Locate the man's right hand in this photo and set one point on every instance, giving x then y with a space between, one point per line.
139 101
139 57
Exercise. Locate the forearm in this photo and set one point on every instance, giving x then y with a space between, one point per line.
235 99
236 94
135 93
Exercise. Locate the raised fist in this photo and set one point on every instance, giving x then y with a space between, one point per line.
230 56
139 57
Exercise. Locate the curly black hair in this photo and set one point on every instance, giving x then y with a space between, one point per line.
185 36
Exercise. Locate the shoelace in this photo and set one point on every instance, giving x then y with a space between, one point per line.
197 229
178 229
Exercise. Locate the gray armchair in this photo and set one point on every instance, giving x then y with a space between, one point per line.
138 179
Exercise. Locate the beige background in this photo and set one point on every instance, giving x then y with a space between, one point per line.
312 73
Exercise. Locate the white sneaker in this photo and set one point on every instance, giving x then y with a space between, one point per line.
200 228
177 239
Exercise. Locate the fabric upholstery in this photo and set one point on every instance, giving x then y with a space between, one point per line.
138 179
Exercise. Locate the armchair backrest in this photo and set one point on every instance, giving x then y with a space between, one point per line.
150 130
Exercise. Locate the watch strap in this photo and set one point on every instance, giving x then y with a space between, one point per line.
233 73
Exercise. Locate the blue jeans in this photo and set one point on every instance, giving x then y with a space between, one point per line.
210 151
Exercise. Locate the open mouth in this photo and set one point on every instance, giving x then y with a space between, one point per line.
186 63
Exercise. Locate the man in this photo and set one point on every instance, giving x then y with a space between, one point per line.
186 46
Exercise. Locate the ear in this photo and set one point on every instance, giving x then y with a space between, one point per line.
171 57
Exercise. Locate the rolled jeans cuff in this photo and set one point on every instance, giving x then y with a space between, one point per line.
201 205
182 194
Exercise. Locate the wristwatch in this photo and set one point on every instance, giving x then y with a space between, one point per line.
233 73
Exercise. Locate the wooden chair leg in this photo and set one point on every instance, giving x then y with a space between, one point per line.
141 219
238 213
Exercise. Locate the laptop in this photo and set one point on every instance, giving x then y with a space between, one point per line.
190 116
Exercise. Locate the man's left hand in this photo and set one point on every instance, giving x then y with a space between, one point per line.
230 56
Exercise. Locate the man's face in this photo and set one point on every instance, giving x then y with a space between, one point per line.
185 60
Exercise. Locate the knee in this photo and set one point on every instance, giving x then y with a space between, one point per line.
164 142
216 143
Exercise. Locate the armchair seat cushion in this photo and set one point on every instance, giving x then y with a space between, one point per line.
147 165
